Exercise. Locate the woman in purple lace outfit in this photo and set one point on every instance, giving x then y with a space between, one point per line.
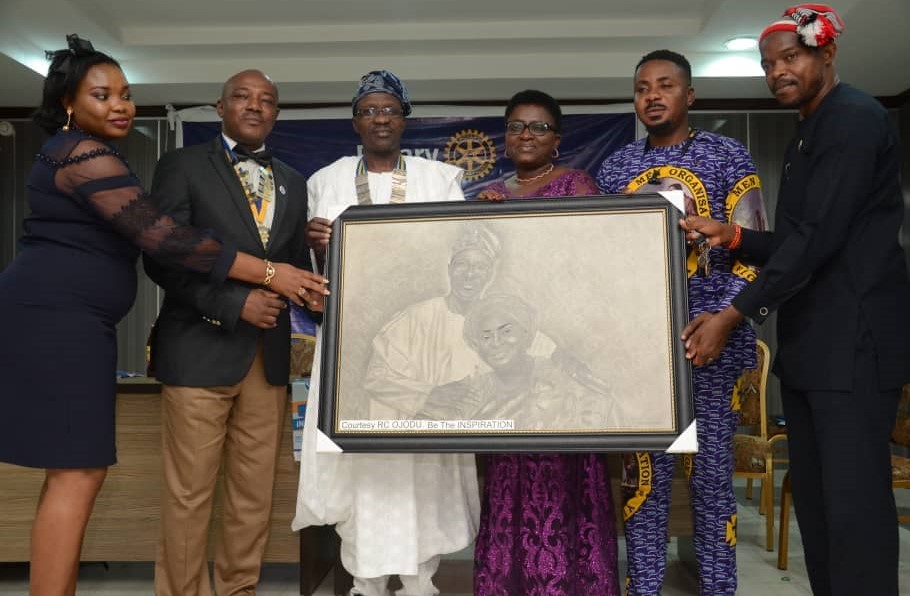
547 525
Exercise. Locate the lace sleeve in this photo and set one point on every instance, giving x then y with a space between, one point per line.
584 185
94 174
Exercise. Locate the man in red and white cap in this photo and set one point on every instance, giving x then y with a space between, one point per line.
835 273
816 25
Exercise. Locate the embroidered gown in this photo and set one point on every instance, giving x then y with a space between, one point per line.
719 180
73 279
394 512
547 525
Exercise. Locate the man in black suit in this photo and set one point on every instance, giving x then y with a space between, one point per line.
835 271
222 352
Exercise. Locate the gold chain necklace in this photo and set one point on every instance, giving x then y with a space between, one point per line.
264 193
399 182
533 178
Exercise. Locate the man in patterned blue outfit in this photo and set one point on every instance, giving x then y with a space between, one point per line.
718 180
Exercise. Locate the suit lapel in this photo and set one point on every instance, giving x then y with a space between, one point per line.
228 176
281 201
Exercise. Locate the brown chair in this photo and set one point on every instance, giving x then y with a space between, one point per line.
900 466
753 446
784 535
900 474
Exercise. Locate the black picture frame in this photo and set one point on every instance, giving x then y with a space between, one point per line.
607 275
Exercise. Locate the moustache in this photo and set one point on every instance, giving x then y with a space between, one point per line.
782 83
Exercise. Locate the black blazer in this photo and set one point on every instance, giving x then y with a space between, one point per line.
199 339
833 265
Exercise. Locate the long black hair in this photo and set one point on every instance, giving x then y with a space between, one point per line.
67 69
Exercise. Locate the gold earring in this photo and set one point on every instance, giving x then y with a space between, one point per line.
69 117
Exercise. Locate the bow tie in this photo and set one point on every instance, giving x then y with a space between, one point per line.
263 158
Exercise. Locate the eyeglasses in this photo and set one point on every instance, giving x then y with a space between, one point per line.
537 128
372 112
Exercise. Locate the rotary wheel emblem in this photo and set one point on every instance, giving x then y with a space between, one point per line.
473 151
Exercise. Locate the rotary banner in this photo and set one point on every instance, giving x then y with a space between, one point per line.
473 143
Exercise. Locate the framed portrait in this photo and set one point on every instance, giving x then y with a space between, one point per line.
521 326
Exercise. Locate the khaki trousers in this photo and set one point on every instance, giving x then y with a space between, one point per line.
240 424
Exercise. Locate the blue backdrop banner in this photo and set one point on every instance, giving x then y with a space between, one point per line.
473 143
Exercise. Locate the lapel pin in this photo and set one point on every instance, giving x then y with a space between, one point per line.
281 189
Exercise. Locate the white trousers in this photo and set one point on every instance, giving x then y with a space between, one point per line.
412 585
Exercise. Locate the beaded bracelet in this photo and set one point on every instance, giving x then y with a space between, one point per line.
737 238
269 273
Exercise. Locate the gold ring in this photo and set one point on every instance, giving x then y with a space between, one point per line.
301 292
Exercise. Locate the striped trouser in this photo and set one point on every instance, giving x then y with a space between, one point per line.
647 479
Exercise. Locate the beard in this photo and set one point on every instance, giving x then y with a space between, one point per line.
807 88
660 129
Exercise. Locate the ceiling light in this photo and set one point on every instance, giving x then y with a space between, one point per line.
38 64
732 66
739 44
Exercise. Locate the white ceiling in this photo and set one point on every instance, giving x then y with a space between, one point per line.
180 51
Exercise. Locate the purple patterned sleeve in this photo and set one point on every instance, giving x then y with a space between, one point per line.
498 186
610 178
742 185
604 179
735 285
582 184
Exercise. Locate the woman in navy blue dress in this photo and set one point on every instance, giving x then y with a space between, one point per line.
72 280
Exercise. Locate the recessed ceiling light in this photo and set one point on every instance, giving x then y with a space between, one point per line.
732 66
739 44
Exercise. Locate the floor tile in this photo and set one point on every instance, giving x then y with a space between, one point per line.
758 573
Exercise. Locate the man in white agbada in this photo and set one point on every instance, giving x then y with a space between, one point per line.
395 513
